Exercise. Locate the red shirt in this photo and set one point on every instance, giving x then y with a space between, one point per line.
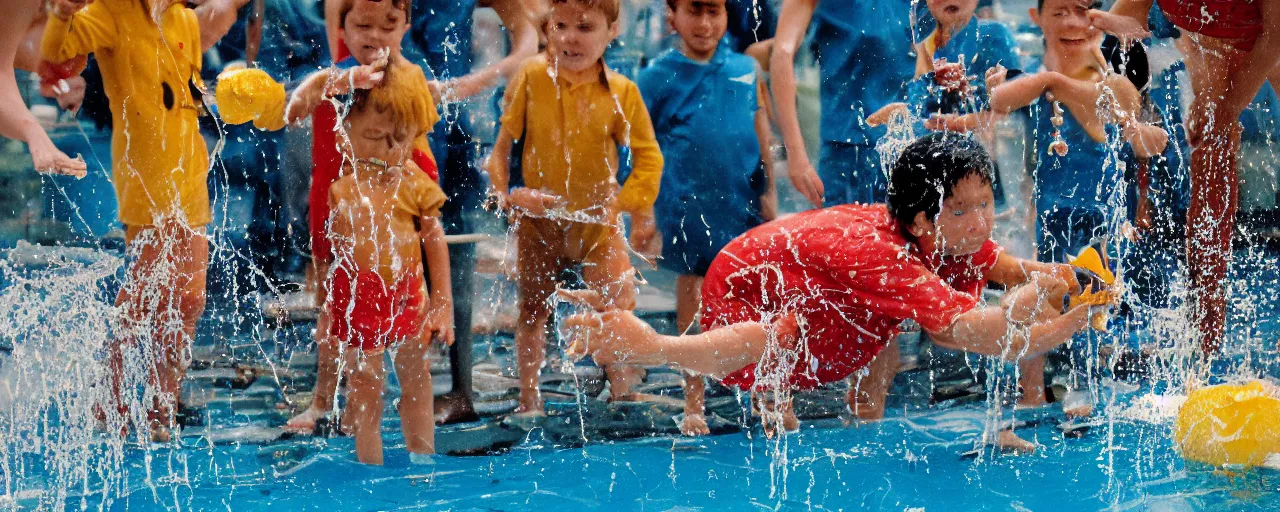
850 278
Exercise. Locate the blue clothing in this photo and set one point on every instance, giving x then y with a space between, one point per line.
851 173
864 57
704 118
293 41
980 45
1087 176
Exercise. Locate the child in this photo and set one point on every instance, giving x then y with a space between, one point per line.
831 286
708 112
378 294
572 114
1232 48
959 48
150 56
373 31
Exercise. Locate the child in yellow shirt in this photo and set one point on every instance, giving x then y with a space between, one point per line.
378 294
149 52
573 113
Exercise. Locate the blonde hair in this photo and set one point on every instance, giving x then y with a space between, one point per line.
405 92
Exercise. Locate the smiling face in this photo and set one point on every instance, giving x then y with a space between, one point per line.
701 25
952 13
578 35
1066 26
963 224
371 26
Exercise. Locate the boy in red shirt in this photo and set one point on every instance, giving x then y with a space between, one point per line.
814 297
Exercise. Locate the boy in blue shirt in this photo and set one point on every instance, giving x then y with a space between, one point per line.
706 103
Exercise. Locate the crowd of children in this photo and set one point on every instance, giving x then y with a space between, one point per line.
685 154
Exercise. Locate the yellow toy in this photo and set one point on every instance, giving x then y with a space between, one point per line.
1231 424
251 95
1097 282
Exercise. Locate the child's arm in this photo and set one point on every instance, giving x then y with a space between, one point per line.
1024 90
331 82
216 18
641 190
1127 19
94 28
764 133
524 44
499 167
440 312
793 22
1010 271
986 330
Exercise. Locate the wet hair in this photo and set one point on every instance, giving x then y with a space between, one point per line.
673 4
404 90
610 8
927 173
350 5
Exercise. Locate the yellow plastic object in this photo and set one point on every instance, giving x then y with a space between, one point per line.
1099 292
1230 424
251 95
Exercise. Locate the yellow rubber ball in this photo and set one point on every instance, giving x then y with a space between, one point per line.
1230 424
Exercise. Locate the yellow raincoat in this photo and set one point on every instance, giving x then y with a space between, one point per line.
160 161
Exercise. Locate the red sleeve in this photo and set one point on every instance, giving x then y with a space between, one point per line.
427 164
885 278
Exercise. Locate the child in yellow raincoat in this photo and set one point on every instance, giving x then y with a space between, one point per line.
149 52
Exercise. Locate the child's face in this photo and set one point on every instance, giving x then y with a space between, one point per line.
963 224
1066 26
701 25
377 134
952 12
579 35
372 26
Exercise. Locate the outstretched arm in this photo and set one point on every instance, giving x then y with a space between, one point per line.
987 330
331 82
793 22
524 44
216 18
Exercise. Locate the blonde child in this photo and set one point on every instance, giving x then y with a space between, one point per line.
378 296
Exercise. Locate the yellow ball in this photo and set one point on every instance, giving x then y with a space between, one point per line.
1230 424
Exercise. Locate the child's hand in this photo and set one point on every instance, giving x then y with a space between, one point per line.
950 75
996 76
437 90
805 178
644 232
885 113
1127 29
65 8
440 322
533 202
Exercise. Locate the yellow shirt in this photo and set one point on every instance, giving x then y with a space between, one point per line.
160 161
572 134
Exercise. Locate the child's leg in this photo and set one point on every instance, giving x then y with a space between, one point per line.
1214 189
1031 381
165 298
537 261
608 270
417 408
688 297
328 353
364 406
867 393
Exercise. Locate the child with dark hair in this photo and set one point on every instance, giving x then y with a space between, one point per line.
707 106
814 297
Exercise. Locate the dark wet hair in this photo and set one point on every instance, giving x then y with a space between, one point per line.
927 173
1096 4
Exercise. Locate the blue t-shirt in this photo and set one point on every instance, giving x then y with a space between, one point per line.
864 57
704 118
980 45
1088 176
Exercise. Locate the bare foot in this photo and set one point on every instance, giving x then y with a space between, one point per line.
160 433
1077 404
772 415
454 407
530 407
1010 442
694 425
862 407
305 421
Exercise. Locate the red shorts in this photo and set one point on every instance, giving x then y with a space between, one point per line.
367 314
1239 22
